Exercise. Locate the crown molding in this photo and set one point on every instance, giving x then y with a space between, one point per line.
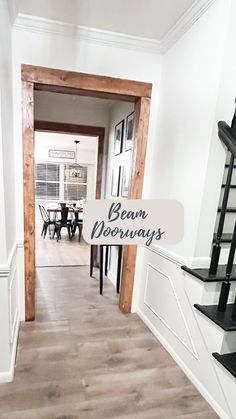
95 36
185 22
36 24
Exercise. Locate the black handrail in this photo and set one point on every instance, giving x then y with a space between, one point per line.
228 136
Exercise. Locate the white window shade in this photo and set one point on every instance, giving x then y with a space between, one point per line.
47 181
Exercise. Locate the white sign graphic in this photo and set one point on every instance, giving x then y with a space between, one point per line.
139 222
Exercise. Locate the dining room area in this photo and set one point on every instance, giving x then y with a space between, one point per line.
65 178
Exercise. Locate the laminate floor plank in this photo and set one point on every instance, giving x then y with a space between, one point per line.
83 359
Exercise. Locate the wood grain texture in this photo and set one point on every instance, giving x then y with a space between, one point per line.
141 92
80 92
142 109
29 197
83 359
86 82
65 128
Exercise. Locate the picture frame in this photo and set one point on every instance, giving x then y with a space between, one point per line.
118 140
125 181
115 181
129 132
61 154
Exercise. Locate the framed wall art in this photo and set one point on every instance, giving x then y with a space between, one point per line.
118 141
115 181
125 181
129 132
61 154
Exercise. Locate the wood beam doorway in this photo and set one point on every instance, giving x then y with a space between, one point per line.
60 81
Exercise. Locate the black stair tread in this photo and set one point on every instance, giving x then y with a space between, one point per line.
228 361
227 165
226 238
222 319
231 186
203 273
229 209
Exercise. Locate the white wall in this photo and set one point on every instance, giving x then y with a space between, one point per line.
118 112
43 49
179 146
71 109
86 149
190 82
9 319
198 88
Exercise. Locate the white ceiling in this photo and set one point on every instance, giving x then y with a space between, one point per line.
148 19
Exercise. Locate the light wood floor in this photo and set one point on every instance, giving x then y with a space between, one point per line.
83 359
61 253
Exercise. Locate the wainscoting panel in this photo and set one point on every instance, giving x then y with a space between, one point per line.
13 302
9 318
160 284
164 299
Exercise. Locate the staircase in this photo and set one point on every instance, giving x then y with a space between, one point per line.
222 267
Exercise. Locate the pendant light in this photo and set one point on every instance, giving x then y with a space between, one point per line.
76 170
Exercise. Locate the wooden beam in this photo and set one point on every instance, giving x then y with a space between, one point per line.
142 109
65 128
89 84
29 213
86 82
80 92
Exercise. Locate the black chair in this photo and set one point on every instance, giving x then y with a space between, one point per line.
77 223
47 222
64 222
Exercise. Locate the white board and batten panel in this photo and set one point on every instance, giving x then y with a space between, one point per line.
165 302
9 316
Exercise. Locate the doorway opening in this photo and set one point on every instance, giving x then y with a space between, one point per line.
58 81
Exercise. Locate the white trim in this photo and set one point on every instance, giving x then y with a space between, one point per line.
5 269
96 36
37 24
111 277
204 392
198 262
167 254
185 22
8 376
191 350
191 262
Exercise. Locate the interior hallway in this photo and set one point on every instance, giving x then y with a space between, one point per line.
83 359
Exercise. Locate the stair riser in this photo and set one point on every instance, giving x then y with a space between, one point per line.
232 198
229 222
224 254
233 176
212 293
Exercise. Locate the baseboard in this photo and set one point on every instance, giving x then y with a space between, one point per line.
207 396
8 376
111 277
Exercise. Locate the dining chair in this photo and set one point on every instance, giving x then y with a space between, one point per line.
77 222
64 222
47 222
